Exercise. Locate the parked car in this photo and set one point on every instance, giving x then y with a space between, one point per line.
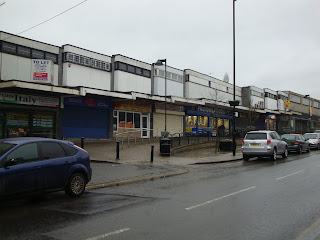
296 143
317 131
313 139
30 165
263 144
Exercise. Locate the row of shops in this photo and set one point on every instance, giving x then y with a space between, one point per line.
103 117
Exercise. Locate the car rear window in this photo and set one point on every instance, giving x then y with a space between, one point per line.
255 136
311 136
70 151
289 137
5 147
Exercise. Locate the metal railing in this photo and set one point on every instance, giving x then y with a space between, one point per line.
183 139
133 136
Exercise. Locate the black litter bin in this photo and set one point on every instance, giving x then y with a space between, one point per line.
165 146
225 145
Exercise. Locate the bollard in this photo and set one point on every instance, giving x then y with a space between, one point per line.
118 150
82 142
152 151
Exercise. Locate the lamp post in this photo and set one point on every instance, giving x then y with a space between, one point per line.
160 63
308 96
234 87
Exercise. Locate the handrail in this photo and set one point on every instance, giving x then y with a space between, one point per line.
133 135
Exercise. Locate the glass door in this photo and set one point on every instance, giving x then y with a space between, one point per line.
145 126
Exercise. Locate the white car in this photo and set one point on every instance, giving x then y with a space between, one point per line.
263 143
313 139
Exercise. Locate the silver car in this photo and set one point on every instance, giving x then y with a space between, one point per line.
263 144
313 139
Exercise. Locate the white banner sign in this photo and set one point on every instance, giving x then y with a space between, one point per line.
28 100
42 71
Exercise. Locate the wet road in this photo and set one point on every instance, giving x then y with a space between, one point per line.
240 200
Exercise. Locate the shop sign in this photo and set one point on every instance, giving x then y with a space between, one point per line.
42 71
93 102
273 117
287 104
206 111
28 100
170 107
134 106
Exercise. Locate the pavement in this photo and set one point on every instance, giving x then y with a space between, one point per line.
135 165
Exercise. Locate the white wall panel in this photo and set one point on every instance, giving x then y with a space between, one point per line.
174 88
126 82
77 75
19 68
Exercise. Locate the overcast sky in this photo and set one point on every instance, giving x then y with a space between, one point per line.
277 41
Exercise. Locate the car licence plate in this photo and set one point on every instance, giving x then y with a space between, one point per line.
255 144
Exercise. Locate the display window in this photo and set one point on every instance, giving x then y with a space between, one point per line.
191 124
123 119
27 124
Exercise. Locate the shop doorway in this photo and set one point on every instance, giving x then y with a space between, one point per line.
145 126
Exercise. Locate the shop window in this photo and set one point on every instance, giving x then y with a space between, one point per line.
122 119
42 125
203 122
213 122
129 122
191 124
17 125
226 123
137 118
36 54
24 51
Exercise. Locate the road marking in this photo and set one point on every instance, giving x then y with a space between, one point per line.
317 165
109 234
289 175
216 199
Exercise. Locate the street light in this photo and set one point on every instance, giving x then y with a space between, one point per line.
160 63
308 96
234 87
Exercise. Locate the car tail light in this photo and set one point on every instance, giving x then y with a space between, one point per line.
243 142
296 143
268 141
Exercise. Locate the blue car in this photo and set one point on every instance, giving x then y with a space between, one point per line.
38 165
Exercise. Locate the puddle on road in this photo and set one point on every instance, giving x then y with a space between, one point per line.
92 203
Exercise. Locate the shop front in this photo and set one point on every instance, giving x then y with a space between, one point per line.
132 116
271 122
199 119
175 116
24 115
86 117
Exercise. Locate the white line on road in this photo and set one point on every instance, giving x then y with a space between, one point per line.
289 175
216 199
317 165
109 234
